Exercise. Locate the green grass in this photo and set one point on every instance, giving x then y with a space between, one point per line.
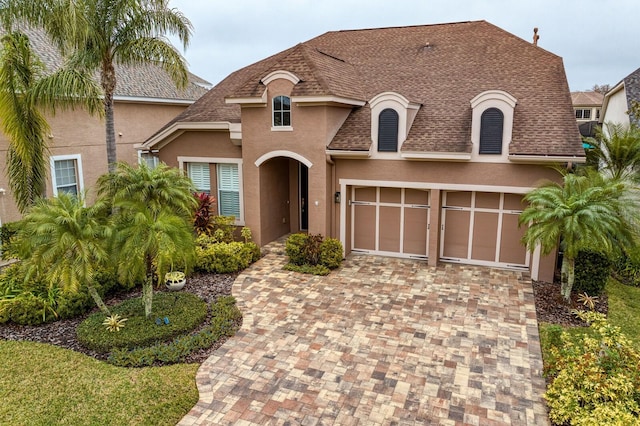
624 309
43 384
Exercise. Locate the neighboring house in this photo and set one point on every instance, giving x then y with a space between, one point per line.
145 100
586 106
416 142
619 99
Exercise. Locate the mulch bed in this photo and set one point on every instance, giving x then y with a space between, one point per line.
63 333
552 308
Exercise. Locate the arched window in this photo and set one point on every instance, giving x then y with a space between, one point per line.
388 131
491 125
281 111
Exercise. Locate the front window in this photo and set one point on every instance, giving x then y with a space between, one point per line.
228 190
200 175
281 111
66 174
149 159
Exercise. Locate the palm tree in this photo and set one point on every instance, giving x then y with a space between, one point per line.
24 89
63 242
97 34
616 152
152 213
585 212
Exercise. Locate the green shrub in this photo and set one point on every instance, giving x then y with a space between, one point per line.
224 323
307 269
331 253
185 312
311 254
294 248
255 251
596 380
626 268
222 258
223 228
592 271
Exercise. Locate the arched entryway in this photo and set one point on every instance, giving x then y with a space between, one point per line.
284 194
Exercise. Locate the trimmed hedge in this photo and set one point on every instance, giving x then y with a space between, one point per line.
185 312
224 323
218 257
592 271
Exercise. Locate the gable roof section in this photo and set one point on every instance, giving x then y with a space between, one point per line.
587 98
442 67
143 83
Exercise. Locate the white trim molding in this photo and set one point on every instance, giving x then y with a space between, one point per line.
406 111
280 74
282 153
250 101
554 159
348 154
436 156
506 103
163 138
326 100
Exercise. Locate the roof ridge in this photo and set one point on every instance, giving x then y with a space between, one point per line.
407 26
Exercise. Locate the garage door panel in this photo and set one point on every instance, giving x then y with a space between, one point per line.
365 194
389 229
364 237
511 249
513 202
415 231
458 199
485 235
488 200
390 195
416 196
456 234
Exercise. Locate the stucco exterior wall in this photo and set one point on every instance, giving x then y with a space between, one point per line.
617 109
76 132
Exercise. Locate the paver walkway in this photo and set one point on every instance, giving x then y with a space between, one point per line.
380 341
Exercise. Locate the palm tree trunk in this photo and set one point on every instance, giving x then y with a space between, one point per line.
567 276
96 298
147 296
108 81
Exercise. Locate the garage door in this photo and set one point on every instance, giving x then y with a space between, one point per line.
482 228
390 221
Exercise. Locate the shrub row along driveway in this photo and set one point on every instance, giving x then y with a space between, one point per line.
379 341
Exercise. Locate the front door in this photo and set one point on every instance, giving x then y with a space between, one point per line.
304 197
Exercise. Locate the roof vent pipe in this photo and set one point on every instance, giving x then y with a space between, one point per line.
535 36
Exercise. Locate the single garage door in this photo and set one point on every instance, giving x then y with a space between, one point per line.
390 221
482 228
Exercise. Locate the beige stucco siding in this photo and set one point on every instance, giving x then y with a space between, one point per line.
77 133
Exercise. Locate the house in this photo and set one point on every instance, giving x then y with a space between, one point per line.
145 99
586 106
416 142
619 100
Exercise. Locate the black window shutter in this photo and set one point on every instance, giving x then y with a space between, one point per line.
491 125
388 131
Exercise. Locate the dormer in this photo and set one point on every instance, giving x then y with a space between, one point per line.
391 117
492 126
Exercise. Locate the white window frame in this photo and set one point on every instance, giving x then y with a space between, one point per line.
582 113
204 165
183 161
78 162
220 189
281 127
506 103
152 154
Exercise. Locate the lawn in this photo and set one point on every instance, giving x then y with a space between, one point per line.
43 384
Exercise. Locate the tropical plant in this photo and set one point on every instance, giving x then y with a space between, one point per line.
584 212
151 213
62 243
616 152
114 322
25 89
96 34
204 213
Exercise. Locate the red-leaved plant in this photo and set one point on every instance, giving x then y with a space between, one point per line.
202 219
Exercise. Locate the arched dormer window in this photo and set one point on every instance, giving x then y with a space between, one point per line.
491 126
281 111
388 130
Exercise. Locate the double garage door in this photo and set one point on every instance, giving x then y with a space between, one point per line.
476 227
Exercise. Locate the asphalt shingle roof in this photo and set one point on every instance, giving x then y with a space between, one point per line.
442 67
144 81
632 88
587 98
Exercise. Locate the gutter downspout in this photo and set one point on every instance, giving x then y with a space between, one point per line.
332 163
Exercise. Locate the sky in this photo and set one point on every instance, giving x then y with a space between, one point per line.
599 40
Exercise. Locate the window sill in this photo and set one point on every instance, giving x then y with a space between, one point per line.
281 128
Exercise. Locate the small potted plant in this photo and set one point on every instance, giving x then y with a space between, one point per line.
174 280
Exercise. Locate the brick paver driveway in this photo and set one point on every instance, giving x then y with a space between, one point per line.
380 341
